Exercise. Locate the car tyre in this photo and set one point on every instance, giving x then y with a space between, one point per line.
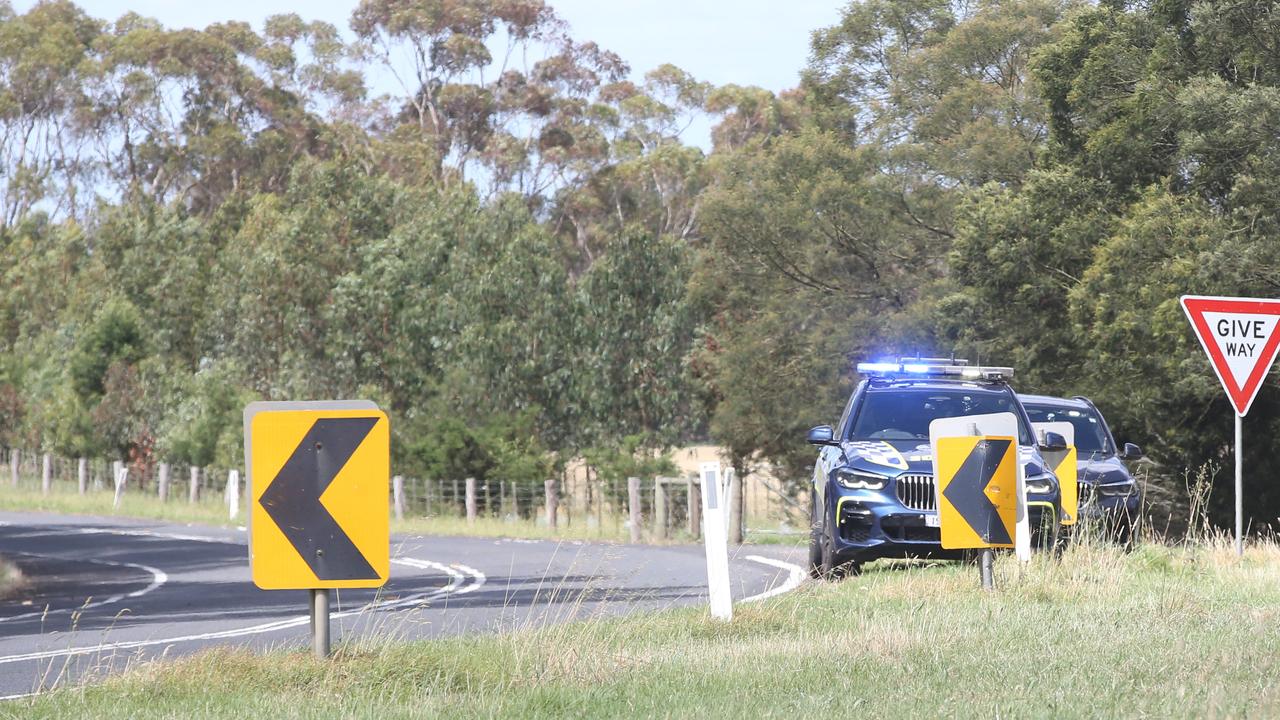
832 568
815 540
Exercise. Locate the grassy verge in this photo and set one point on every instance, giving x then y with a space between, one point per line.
1160 632
209 511
213 511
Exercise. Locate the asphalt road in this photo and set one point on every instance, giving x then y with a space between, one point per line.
106 593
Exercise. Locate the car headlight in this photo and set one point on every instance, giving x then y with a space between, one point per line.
855 480
1119 489
1041 484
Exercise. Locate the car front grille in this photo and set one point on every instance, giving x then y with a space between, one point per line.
916 492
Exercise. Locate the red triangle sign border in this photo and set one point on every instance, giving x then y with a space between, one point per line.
1195 306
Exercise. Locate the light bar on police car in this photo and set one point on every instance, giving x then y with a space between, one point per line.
917 368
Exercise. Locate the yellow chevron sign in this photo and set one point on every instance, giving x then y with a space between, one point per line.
1063 464
977 491
319 486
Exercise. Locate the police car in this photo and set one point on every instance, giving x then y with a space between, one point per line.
1107 491
873 489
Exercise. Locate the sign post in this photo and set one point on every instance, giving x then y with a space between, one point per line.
1239 336
318 476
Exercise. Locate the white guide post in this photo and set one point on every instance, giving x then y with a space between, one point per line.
397 496
233 494
715 540
122 475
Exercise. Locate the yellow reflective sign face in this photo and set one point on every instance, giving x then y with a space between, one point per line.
320 484
977 491
1063 464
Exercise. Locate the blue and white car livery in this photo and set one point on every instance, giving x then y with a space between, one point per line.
873 487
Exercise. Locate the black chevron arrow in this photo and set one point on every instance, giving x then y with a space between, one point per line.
965 491
292 499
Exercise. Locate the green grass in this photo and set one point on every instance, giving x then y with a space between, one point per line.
1160 632
212 510
209 511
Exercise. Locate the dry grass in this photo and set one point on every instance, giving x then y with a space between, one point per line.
1162 631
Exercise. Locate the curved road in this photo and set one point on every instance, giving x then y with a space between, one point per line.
107 592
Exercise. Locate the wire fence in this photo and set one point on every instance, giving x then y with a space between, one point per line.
667 507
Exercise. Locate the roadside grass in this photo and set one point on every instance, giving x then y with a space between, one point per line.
208 511
212 510
1162 631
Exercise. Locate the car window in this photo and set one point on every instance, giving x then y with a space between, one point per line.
1090 436
905 413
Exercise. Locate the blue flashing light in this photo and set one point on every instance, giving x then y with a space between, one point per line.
934 368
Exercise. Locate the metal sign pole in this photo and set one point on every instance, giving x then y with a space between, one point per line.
320 623
1239 491
987 559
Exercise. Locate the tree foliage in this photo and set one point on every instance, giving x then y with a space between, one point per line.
516 254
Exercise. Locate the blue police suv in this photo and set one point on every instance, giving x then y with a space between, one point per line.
1107 490
873 487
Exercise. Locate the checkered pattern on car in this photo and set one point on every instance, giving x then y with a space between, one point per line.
880 453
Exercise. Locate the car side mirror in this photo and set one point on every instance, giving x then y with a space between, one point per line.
822 435
1053 441
1131 452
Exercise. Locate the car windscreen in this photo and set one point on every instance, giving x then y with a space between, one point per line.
1090 436
905 413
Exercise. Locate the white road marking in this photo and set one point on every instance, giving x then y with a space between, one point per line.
152 533
456 578
478 577
795 576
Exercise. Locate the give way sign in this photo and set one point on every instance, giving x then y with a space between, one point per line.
1240 337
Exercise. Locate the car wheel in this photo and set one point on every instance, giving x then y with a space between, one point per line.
815 540
1056 543
832 568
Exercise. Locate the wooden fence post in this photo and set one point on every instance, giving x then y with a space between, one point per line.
193 492
633 503
599 502
735 507
471 500
660 509
397 495
163 482
553 501
693 492
46 473
82 474
15 456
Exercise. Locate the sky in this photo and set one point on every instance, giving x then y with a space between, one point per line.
747 42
